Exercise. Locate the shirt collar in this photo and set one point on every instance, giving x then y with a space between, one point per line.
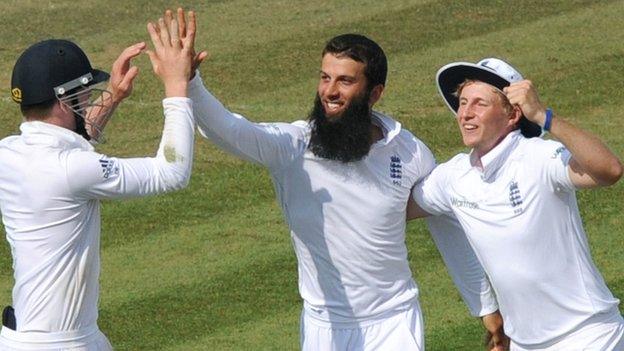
42 133
494 160
389 127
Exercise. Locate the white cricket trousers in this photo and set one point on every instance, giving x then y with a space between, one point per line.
604 334
88 339
400 331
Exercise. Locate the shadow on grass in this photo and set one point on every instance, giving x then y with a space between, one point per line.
231 299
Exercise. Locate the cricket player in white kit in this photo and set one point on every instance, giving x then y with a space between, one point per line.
514 195
343 180
53 180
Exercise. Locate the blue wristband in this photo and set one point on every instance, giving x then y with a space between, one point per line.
548 120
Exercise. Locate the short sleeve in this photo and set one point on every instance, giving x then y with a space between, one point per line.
430 193
552 159
425 159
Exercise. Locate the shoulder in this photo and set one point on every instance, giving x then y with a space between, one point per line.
296 127
413 152
292 138
86 168
398 134
9 140
410 143
84 162
541 149
457 163
540 144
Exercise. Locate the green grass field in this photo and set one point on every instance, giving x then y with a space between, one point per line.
212 267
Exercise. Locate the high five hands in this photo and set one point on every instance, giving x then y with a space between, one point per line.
174 59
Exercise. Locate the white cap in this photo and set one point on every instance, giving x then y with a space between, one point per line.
493 71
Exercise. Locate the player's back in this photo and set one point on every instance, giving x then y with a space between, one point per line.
54 238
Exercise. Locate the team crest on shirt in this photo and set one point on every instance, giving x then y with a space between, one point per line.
109 167
396 168
515 198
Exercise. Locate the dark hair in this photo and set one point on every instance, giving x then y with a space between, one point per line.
359 48
38 111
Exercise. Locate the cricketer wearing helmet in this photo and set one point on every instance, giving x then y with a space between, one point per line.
53 181
343 178
515 196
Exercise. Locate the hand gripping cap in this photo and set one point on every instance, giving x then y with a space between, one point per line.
493 71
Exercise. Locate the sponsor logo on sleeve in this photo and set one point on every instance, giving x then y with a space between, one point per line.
558 152
109 167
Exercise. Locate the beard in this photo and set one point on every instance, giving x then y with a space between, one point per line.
344 138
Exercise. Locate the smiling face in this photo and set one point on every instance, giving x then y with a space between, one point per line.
482 117
342 80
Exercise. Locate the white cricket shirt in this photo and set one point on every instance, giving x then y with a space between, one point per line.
347 220
49 190
521 216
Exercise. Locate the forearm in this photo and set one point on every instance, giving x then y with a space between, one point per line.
98 115
591 155
102 177
462 264
213 119
414 211
232 132
592 163
175 153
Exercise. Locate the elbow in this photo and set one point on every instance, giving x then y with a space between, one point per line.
180 181
613 173
185 181
618 171
175 179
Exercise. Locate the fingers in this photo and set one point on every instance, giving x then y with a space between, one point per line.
165 38
154 33
128 79
201 56
173 32
133 50
122 75
170 29
189 39
123 61
174 56
181 23
198 59
518 90
153 59
192 25
168 17
167 30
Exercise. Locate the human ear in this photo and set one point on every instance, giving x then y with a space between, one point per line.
515 116
375 94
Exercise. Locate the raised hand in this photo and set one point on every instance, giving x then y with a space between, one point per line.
122 74
172 55
524 95
183 29
119 87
